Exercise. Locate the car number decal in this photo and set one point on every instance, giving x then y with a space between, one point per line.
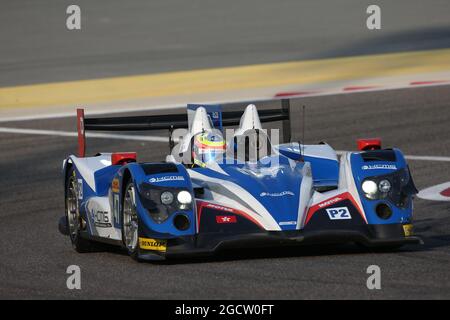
340 213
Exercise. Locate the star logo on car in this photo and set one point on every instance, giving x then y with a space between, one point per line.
226 219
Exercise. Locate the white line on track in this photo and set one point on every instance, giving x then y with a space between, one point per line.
427 158
90 112
153 139
88 134
419 158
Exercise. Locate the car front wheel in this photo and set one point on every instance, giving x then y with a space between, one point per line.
74 220
130 223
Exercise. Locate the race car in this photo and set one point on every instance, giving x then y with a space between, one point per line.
233 188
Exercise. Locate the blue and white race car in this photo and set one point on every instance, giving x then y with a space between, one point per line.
222 189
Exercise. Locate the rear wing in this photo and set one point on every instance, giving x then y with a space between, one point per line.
171 122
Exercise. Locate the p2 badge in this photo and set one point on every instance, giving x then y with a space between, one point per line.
341 213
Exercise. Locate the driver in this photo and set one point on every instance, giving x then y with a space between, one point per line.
207 147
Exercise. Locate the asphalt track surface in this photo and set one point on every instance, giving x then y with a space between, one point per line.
119 38
34 256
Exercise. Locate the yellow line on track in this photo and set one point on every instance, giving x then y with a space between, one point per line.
224 79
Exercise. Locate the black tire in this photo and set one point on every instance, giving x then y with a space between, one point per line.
125 216
74 220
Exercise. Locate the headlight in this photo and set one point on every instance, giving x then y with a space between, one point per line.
396 187
370 188
384 186
184 197
167 197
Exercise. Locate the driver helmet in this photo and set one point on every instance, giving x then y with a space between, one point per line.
207 147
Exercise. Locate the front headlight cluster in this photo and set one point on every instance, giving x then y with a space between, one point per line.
397 187
374 190
184 199
162 202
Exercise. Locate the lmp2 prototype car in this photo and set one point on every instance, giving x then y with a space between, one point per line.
211 194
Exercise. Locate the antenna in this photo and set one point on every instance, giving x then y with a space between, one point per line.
303 130
171 142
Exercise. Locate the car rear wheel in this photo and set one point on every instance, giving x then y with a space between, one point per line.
130 223
74 220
